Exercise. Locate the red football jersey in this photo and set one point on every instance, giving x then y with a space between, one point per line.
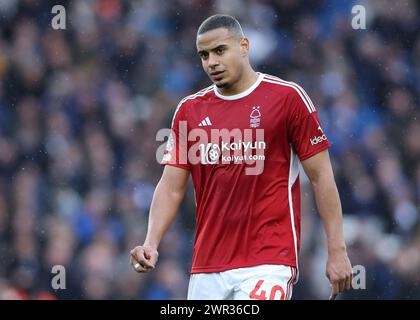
243 153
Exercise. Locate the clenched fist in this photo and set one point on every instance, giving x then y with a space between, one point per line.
143 258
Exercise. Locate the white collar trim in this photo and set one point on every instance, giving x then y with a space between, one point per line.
241 94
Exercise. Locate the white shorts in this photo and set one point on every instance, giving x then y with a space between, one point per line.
263 282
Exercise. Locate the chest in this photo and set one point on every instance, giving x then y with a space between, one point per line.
264 113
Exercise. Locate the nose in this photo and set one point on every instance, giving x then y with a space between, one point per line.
213 61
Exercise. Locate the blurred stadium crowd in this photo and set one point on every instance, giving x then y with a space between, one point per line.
80 108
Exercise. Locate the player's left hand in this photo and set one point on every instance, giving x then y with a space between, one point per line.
339 272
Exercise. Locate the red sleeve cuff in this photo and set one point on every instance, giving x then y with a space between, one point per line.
314 151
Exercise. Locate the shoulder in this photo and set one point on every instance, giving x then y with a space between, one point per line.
190 101
281 85
291 89
196 97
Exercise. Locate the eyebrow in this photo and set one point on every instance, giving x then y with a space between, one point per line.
220 46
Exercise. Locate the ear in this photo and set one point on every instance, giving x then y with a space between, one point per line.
244 44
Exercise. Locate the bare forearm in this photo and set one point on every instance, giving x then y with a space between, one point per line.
329 206
165 204
338 271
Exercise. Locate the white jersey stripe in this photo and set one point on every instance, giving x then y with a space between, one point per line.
293 84
193 96
297 88
198 94
293 175
300 94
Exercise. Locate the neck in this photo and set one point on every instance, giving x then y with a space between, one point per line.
247 79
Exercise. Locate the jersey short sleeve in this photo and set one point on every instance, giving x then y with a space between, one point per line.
304 129
176 148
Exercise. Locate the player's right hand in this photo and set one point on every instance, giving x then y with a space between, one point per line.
143 258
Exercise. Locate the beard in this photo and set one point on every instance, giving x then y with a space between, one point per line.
223 85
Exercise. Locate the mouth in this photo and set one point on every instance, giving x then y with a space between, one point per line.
217 75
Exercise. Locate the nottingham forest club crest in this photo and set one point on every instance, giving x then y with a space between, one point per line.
255 117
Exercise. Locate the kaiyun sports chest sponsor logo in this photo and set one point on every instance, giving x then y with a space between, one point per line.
214 146
233 147
211 153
